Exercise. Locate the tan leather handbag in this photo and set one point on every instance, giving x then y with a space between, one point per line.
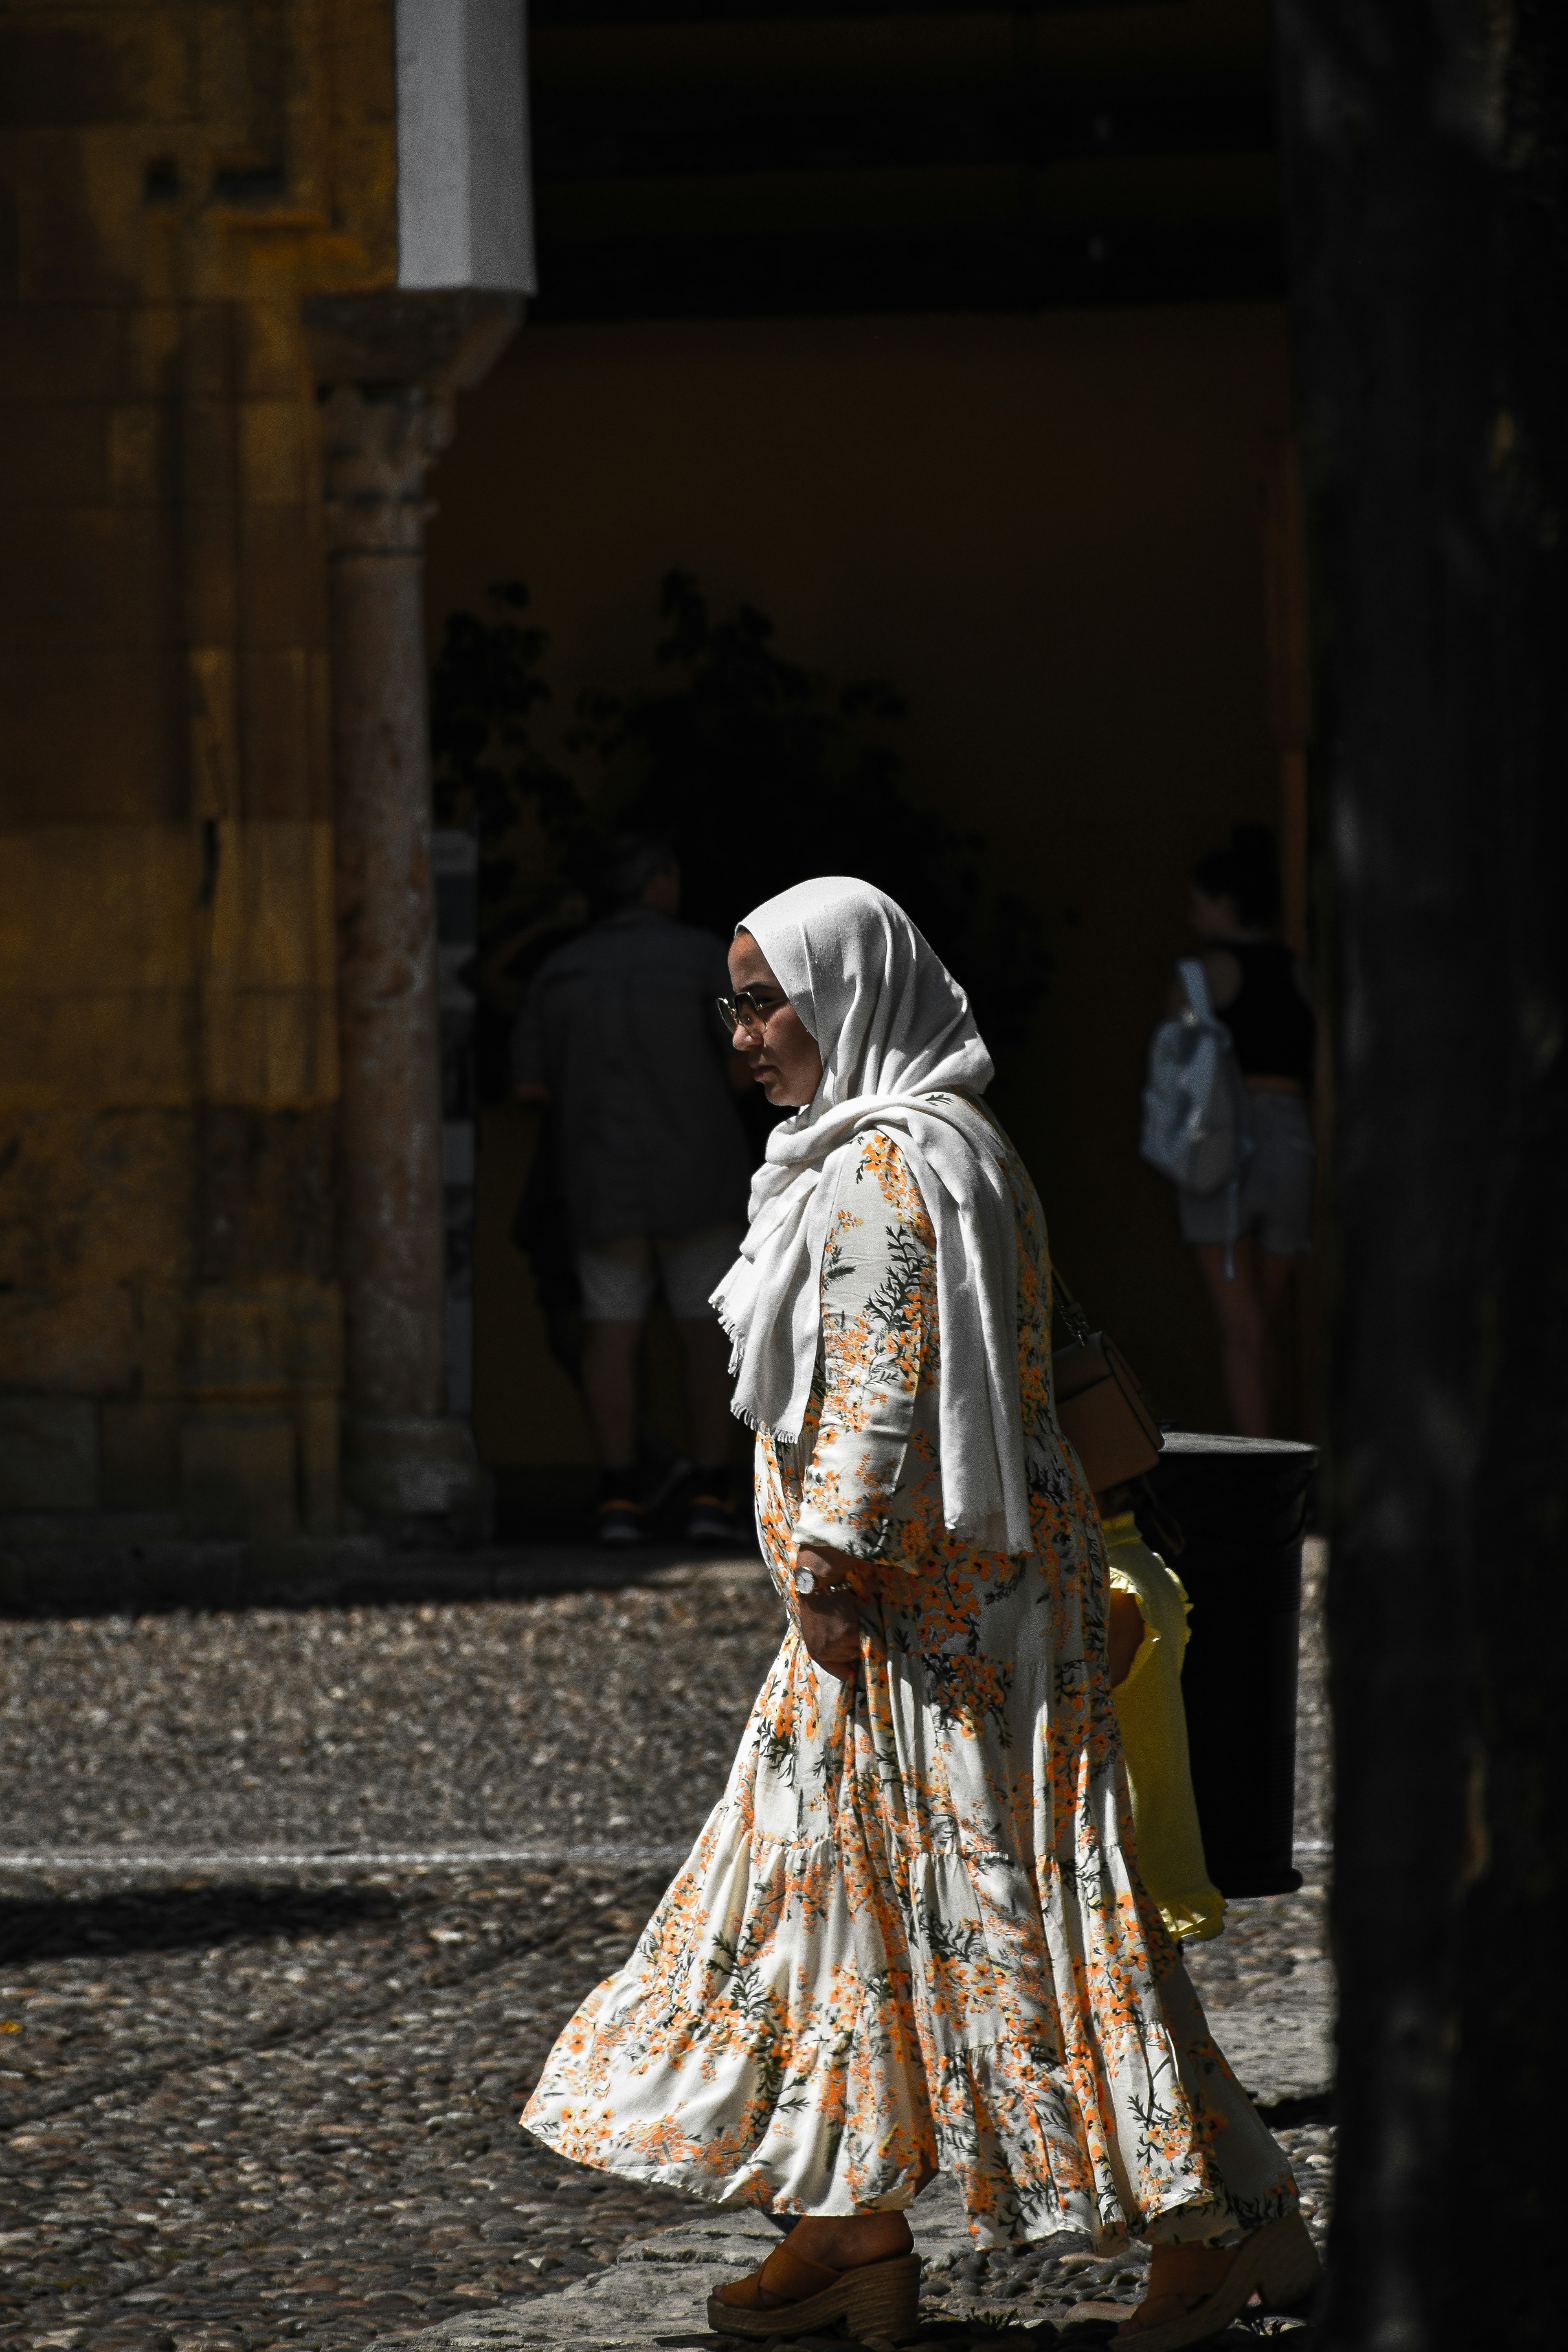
1104 1414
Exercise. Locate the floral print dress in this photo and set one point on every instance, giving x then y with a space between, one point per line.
912 1934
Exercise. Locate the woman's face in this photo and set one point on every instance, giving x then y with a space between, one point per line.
782 1053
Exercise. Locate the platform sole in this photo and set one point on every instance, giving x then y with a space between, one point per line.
879 2300
1278 2264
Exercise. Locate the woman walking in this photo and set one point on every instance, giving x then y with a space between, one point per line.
912 1934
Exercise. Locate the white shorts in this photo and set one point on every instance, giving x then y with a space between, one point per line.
619 1278
1277 1183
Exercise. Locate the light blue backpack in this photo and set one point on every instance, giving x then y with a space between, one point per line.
1194 1104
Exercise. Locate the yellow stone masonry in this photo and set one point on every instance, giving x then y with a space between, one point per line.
180 176
130 975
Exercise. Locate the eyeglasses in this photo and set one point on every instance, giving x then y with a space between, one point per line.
747 1010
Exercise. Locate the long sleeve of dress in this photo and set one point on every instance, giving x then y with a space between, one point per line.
877 1371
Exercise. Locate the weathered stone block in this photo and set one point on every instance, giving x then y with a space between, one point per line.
268 1210
137 442
108 68
86 576
89 912
90 1197
205 337
63 351
48 1454
236 1345
91 734
139 1456
238 1474
277 553
272 909
276 467
162 1316
80 1342
267 350
317 1421
209 464
315 1313
153 341
129 1047
367 158
277 690
99 906
53 454
212 590
212 711
322 782
79 214
271 1045
275 1338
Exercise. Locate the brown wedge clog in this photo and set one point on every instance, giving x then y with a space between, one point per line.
874 2299
1279 2263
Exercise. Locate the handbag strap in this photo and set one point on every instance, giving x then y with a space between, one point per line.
1195 980
1067 1306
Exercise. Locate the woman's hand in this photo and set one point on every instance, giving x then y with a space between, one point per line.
830 1613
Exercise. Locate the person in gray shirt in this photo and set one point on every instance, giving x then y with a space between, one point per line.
620 1034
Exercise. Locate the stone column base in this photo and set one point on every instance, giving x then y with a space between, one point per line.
417 1479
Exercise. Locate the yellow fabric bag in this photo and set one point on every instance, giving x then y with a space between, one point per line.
1154 1740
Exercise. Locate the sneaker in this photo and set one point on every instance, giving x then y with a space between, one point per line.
620 1522
711 1520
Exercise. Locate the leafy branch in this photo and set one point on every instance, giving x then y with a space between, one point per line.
759 771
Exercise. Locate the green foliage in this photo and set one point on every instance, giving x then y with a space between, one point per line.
757 771
489 772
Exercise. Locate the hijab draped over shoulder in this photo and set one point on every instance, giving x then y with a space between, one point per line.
899 1052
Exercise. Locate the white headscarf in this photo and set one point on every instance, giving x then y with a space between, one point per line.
898 1040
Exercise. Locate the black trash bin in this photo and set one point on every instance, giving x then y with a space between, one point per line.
1241 1505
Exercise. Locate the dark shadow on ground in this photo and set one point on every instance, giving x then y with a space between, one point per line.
178 1919
152 1578
1305 2107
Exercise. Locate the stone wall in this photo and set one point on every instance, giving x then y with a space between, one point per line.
175 176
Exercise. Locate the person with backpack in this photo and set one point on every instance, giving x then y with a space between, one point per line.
1225 1112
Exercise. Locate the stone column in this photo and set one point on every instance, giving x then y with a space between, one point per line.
388 366
404 1458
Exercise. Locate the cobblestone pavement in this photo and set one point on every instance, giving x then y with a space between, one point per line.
275 2106
423 1726
247 2113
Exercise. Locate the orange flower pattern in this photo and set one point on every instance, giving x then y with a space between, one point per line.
911 1933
